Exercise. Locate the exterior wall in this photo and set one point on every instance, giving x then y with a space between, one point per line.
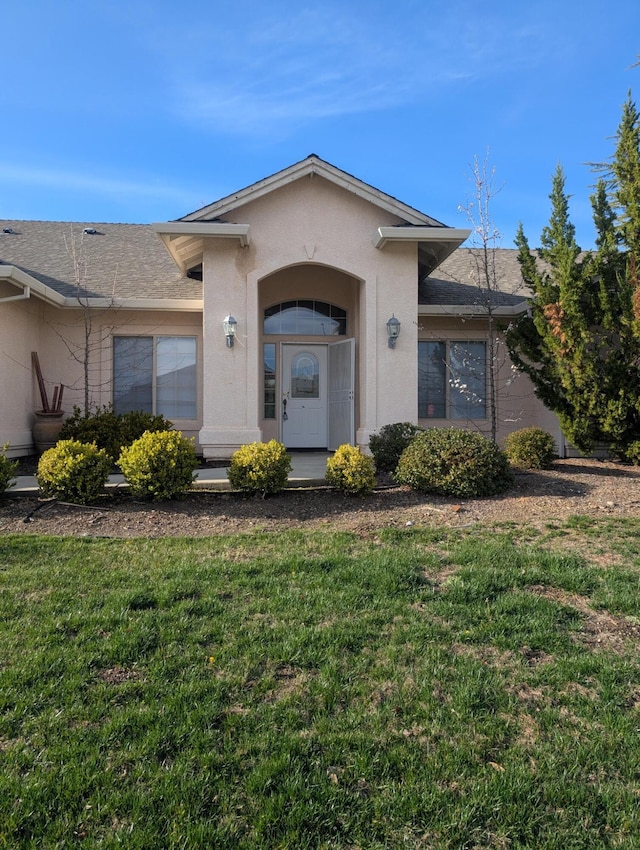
311 223
517 405
141 323
19 336
58 337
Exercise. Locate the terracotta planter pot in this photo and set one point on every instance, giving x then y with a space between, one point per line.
46 429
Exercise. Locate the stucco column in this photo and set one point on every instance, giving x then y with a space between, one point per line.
229 414
390 375
367 371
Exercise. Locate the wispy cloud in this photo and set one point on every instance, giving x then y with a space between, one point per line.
77 181
272 76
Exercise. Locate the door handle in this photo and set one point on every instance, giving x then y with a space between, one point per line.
285 415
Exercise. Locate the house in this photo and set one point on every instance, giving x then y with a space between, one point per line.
309 307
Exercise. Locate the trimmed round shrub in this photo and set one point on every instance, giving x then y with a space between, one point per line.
388 444
111 431
260 468
73 471
8 469
159 465
351 472
530 448
454 462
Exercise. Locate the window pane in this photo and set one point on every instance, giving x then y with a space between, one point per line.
305 318
432 370
305 372
269 380
467 392
176 377
289 318
272 320
132 373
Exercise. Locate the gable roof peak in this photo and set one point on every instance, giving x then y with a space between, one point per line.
312 165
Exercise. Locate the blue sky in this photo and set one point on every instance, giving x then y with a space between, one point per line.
145 110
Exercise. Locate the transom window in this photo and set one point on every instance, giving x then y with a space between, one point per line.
155 374
452 380
305 318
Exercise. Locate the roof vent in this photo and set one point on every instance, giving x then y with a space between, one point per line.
8 230
90 231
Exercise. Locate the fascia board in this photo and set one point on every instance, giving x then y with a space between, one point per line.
311 167
175 305
251 193
218 229
471 310
14 275
450 235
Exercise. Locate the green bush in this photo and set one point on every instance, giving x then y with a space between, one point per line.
73 471
530 448
159 465
8 469
389 443
351 472
111 431
260 468
630 453
454 462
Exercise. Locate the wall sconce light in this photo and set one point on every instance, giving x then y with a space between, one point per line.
229 325
393 330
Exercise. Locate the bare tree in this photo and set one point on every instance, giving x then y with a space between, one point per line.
95 332
473 374
485 240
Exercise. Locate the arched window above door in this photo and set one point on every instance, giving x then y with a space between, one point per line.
305 318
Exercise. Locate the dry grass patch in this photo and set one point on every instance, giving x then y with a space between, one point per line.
600 629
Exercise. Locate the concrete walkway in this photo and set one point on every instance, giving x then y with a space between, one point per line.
308 468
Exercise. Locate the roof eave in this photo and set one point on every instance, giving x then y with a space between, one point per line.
310 167
175 305
472 310
29 285
184 240
435 244
449 235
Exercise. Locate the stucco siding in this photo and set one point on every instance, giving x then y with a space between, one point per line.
309 239
516 403
20 323
58 337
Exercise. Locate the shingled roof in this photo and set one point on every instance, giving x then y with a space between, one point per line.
455 282
114 261
125 261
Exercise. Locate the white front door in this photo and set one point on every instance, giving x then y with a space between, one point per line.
304 396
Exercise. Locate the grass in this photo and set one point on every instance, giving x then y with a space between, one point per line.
419 688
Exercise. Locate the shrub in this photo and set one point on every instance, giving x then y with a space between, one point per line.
389 443
111 431
454 462
351 472
159 464
8 469
631 453
260 468
74 471
530 448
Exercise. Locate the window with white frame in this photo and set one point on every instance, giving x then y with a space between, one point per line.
452 379
155 374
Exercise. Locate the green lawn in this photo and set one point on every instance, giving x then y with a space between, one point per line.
419 688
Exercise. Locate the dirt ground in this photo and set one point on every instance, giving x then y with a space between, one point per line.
586 487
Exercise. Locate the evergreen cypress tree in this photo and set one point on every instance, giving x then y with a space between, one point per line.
580 344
